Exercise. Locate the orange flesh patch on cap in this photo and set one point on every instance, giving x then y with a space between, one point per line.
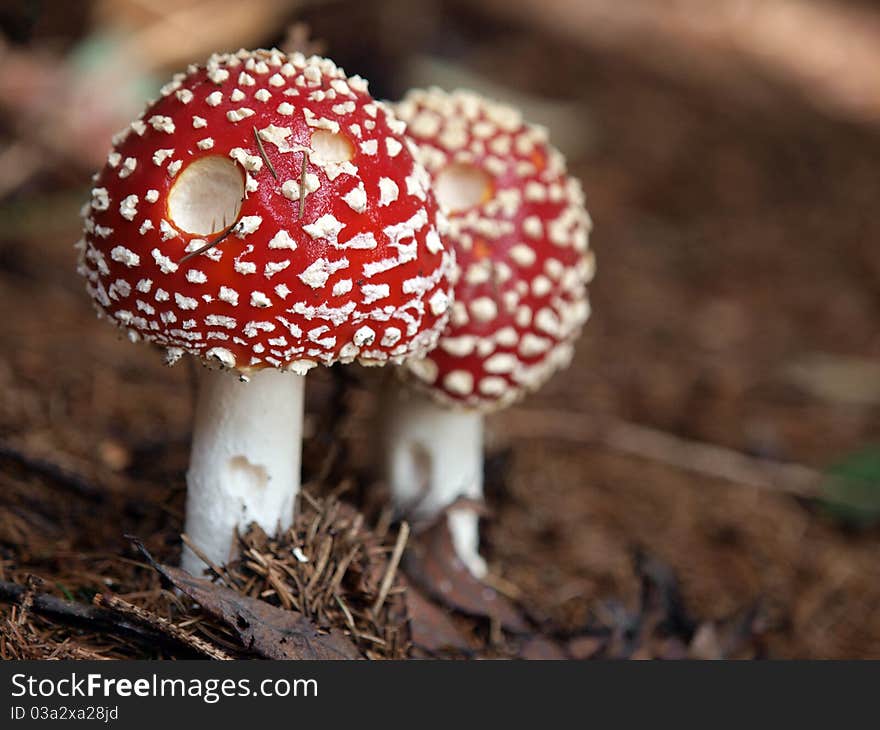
539 159
481 249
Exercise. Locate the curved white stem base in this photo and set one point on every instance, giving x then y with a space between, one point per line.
245 460
434 456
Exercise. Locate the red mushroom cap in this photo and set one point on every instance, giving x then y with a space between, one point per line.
361 275
519 230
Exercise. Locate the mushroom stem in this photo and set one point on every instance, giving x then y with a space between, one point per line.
433 457
245 460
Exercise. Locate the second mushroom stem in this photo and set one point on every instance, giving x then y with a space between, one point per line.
245 459
434 457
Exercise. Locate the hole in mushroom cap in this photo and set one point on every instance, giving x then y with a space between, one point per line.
330 147
206 197
461 186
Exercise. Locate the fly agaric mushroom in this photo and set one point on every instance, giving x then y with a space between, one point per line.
265 215
520 231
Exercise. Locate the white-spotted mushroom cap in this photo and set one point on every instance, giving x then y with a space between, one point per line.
331 251
520 233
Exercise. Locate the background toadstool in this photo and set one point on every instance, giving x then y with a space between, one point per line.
265 215
520 232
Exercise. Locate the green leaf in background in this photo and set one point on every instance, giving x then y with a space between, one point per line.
851 489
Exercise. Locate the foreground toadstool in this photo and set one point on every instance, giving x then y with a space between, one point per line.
265 215
520 231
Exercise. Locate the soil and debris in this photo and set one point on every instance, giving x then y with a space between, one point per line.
736 306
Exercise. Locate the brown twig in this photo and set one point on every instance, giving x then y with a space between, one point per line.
213 567
313 503
78 613
222 237
349 619
53 472
716 462
263 153
162 625
391 569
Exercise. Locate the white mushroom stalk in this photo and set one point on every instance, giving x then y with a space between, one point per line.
245 460
434 463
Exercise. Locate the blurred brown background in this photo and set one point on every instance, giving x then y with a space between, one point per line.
731 159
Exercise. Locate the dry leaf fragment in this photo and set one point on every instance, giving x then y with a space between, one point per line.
430 628
432 565
271 632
